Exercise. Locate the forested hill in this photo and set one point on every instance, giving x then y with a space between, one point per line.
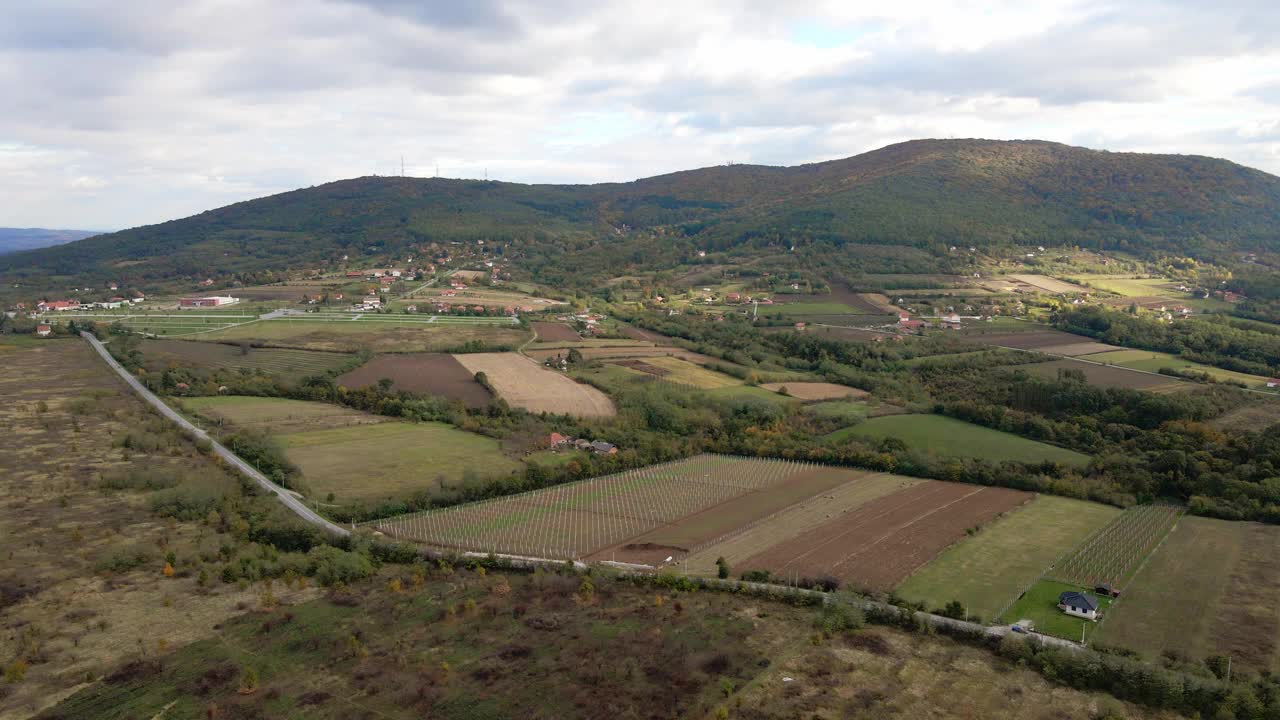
927 194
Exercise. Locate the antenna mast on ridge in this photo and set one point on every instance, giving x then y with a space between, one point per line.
401 166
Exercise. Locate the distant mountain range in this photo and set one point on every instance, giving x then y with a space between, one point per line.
921 195
15 239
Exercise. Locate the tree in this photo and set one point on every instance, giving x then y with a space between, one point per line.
722 568
248 680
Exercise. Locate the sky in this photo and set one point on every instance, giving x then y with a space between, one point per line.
121 114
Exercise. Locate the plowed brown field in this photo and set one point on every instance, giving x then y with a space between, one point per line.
880 544
433 373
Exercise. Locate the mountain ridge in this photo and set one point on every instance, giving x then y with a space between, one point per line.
925 194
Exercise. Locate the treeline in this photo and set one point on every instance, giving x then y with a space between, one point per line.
1218 344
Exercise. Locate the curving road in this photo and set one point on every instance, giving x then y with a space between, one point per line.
298 507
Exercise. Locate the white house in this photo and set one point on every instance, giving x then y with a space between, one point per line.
1273 382
1078 604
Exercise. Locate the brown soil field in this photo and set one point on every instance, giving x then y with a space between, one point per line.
799 518
881 303
816 390
525 384
689 533
636 333
877 546
1109 375
431 373
555 332
1079 348
839 333
1048 284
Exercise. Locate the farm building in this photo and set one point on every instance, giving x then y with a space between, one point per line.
43 330
211 301
1078 604
1273 382
58 305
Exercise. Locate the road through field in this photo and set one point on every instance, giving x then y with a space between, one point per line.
293 503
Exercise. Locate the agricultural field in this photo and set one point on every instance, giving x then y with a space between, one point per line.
578 519
754 538
1212 588
525 384
287 364
554 332
373 461
405 333
949 437
1115 552
358 456
172 323
1256 416
1041 340
1049 285
714 525
427 373
288 292
816 390
789 308
883 542
1110 376
683 372
275 415
1154 361
988 570
1132 286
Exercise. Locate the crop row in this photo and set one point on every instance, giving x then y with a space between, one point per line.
1112 554
574 520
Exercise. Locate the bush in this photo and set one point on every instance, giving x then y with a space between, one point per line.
331 565
123 559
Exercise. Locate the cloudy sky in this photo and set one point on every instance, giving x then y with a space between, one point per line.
119 114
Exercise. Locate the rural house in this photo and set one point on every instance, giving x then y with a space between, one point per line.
1273 382
1078 604
43 330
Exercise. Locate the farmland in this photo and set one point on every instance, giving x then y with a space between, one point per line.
683 372
429 373
753 539
1211 588
578 519
1048 284
525 384
288 364
405 333
881 543
987 571
1115 552
392 459
1155 361
1040 340
358 456
955 438
164 323
554 332
1110 376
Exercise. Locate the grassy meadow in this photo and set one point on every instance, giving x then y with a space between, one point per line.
955 438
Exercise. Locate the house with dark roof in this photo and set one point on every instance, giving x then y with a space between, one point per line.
1079 604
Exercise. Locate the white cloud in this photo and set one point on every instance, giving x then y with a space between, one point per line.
156 110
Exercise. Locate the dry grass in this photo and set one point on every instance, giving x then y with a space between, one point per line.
526 384
816 390
64 413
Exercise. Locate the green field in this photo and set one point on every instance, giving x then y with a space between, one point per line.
358 456
684 372
1213 587
1154 361
288 364
847 411
987 571
367 462
738 392
814 308
1040 604
955 438
1131 287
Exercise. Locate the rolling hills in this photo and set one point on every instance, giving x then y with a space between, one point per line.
18 239
924 194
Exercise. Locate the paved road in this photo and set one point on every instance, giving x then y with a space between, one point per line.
298 507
